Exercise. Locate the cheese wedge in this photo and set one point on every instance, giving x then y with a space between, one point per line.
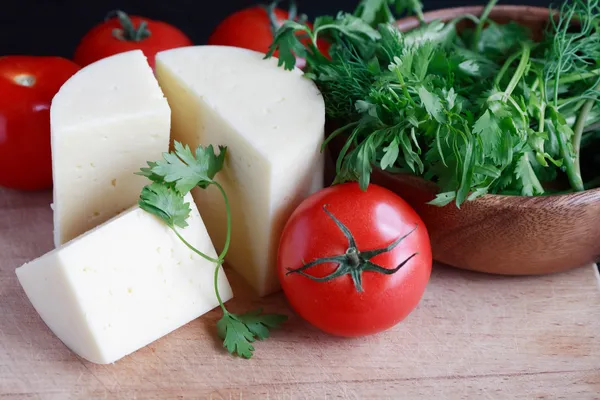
272 122
106 122
124 284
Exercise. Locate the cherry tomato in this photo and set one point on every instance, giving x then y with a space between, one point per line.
253 28
27 86
125 33
354 262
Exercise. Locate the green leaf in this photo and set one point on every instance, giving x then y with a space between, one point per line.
186 170
288 43
410 156
165 203
487 128
503 38
443 199
240 331
391 152
368 10
353 27
259 324
524 172
237 338
468 169
432 104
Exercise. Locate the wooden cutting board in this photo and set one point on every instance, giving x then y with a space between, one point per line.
473 336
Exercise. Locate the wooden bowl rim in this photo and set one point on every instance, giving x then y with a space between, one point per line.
533 13
444 14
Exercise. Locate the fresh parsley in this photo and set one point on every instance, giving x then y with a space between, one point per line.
481 110
172 178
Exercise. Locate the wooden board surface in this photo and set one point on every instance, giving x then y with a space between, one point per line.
473 336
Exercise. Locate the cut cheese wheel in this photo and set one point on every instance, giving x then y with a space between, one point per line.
272 122
124 284
106 122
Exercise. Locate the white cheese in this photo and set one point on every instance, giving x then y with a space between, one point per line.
272 122
124 284
106 122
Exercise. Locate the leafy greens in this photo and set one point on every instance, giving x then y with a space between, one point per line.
483 110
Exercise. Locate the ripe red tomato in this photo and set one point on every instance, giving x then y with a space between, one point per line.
253 28
340 282
27 86
125 33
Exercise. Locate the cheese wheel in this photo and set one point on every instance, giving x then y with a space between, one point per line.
272 122
106 121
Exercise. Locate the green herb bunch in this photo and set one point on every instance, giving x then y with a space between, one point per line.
482 110
173 178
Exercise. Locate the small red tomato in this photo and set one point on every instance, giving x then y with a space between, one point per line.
254 28
124 33
354 262
27 86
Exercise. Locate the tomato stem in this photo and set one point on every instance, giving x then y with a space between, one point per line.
128 31
353 258
353 262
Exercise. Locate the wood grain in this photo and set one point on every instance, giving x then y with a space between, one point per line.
473 336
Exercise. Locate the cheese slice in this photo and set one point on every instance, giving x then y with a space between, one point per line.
106 122
124 284
272 122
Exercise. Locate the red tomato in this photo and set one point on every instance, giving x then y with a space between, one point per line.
27 86
359 293
125 33
253 29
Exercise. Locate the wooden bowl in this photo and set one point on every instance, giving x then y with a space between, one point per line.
507 235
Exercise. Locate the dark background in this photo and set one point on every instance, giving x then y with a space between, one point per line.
53 27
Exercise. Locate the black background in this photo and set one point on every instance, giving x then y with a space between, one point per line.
53 27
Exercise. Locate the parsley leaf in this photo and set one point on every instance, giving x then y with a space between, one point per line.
185 169
259 324
165 203
524 172
432 103
490 133
288 44
240 331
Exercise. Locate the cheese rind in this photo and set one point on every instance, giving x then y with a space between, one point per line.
106 121
272 122
124 284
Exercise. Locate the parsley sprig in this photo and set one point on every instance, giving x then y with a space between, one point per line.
477 111
172 178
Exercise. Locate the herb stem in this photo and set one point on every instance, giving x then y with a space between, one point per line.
482 20
228 212
575 77
404 88
570 169
505 67
542 105
201 254
519 72
579 128
216 283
